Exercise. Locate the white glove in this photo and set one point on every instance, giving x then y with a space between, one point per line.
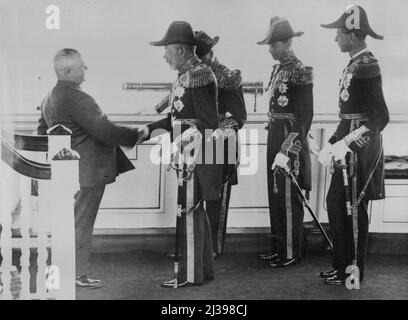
325 155
189 139
221 134
281 160
217 133
340 149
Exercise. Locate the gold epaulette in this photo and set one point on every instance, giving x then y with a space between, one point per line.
228 79
302 75
198 76
367 67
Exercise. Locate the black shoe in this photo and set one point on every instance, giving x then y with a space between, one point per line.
336 280
269 256
328 274
281 263
171 284
274 259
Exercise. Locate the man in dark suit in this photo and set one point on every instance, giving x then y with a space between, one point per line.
357 142
232 116
193 117
97 141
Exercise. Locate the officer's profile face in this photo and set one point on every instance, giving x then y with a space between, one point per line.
344 40
207 57
173 56
279 49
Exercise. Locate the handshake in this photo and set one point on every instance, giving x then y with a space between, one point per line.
143 134
329 152
187 141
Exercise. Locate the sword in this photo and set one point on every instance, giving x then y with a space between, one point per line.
307 205
180 190
353 280
178 217
187 163
346 186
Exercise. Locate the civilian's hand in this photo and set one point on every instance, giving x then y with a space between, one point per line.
143 134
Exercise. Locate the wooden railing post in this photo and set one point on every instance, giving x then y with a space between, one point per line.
25 217
64 185
5 237
43 227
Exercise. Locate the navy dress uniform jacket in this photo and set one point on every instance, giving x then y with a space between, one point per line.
291 92
230 101
361 92
194 96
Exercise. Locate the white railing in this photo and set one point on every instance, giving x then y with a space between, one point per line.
46 267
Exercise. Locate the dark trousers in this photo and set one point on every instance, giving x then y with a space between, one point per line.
195 236
286 215
341 226
87 201
272 216
286 210
218 209
218 214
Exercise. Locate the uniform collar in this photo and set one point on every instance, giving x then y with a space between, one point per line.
189 64
354 56
290 57
214 64
66 83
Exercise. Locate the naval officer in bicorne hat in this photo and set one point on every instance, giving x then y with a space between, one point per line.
290 92
355 145
193 110
232 116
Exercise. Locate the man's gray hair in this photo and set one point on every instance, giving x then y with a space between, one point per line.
64 59
186 46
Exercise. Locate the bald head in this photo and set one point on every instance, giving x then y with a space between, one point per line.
69 66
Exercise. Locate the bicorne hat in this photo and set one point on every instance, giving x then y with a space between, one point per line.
204 43
279 30
178 32
355 19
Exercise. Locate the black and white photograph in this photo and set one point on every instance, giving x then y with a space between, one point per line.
203 153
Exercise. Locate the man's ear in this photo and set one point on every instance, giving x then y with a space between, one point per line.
290 42
67 71
180 51
353 37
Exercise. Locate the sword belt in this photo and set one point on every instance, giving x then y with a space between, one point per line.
180 122
354 116
221 116
273 116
